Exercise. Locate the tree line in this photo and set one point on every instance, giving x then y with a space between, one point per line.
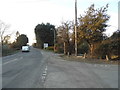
9 47
91 38
44 34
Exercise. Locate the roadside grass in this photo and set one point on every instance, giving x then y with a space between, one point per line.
90 60
48 50
8 51
86 60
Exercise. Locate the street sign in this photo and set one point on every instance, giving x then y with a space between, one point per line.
45 45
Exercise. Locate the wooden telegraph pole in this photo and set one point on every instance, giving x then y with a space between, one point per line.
75 27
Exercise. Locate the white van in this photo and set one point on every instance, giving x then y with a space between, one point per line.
25 48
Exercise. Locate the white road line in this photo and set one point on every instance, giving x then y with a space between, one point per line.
44 74
12 61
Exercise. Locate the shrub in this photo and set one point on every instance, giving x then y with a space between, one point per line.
6 50
83 48
50 48
59 48
108 47
102 50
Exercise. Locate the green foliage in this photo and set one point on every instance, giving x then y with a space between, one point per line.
92 25
6 50
116 35
114 47
110 47
20 41
83 48
51 48
115 43
59 48
44 34
102 50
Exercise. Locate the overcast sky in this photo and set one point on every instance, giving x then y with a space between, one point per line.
24 15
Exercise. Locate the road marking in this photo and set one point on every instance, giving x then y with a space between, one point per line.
44 74
12 61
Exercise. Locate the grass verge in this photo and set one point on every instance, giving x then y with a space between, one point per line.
89 60
9 52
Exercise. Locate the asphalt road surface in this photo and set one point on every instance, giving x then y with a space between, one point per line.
23 70
42 69
72 74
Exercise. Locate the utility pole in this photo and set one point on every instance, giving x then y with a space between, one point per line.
119 15
54 40
75 27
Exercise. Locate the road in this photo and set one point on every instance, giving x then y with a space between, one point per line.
23 70
72 74
42 69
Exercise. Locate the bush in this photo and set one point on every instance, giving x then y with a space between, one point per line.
15 46
34 45
6 50
83 48
51 48
102 50
108 47
59 48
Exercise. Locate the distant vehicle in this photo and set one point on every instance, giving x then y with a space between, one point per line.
25 48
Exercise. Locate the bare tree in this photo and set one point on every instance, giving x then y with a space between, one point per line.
17 34
64 35
6 39
3 29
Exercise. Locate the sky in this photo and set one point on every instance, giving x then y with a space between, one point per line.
24 15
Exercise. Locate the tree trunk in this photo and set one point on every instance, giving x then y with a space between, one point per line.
91 46
107 58
65 48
